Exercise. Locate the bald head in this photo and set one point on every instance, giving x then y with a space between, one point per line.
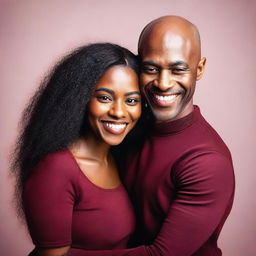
171 30
171 64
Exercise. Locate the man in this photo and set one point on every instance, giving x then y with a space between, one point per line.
182 180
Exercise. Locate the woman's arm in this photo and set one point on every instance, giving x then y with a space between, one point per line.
48 200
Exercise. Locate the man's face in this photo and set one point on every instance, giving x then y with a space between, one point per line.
170 68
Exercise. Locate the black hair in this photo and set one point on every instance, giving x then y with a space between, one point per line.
55 115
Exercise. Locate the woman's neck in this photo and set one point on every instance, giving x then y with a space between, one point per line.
90 147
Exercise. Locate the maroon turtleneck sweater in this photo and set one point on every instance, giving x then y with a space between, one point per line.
182 183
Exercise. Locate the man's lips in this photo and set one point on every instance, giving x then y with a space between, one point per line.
114 127
163 100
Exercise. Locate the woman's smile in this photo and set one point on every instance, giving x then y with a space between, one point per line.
114 127
115 106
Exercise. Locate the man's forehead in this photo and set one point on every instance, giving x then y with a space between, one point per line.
166 41
170 34
171 40
171 46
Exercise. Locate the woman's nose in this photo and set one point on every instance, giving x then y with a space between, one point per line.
118 110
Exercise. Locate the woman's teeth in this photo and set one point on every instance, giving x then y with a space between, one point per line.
116 126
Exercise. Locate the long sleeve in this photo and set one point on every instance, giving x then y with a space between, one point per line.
205 186
48 199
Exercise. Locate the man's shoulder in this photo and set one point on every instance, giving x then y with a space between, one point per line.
204 151
198 138
202 144
207 137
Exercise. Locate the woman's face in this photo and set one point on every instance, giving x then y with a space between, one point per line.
116 105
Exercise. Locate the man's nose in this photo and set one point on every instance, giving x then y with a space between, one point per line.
118 110
165 80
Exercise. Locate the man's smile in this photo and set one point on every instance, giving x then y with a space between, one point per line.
166 100
163 98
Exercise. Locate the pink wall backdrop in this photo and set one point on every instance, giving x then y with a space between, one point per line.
34 34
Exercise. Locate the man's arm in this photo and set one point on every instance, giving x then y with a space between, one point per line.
205 186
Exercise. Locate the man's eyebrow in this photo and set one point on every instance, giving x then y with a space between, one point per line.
178 63
151 63
172 64
105 90
131 93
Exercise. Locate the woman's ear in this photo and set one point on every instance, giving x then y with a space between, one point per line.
200 68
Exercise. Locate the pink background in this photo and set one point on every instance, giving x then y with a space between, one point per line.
34 34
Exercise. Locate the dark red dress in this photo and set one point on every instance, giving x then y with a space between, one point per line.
64 208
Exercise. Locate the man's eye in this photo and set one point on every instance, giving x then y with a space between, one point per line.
103 98
150 70
179 70
132 101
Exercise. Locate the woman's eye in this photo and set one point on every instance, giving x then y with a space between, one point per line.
104 98
132 101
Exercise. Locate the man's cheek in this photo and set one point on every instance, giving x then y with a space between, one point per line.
143 78
144 81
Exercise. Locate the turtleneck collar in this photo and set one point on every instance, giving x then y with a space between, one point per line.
165 128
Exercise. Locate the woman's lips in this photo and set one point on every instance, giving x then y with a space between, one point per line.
116 128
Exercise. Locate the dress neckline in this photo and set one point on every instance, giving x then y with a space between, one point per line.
87 178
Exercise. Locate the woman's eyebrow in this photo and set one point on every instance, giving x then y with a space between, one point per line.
113 93
133 92
105 90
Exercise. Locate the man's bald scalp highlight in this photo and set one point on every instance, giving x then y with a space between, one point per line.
171 22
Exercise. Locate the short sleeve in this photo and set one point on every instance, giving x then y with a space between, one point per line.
48 199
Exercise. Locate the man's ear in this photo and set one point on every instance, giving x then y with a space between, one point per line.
200 68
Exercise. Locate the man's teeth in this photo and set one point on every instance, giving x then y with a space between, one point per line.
116 126
166 98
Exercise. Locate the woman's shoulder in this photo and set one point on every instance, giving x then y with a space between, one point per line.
57 163
56 158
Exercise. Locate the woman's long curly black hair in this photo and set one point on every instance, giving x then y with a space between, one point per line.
55 116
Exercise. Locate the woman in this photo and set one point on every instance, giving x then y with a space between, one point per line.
71 192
